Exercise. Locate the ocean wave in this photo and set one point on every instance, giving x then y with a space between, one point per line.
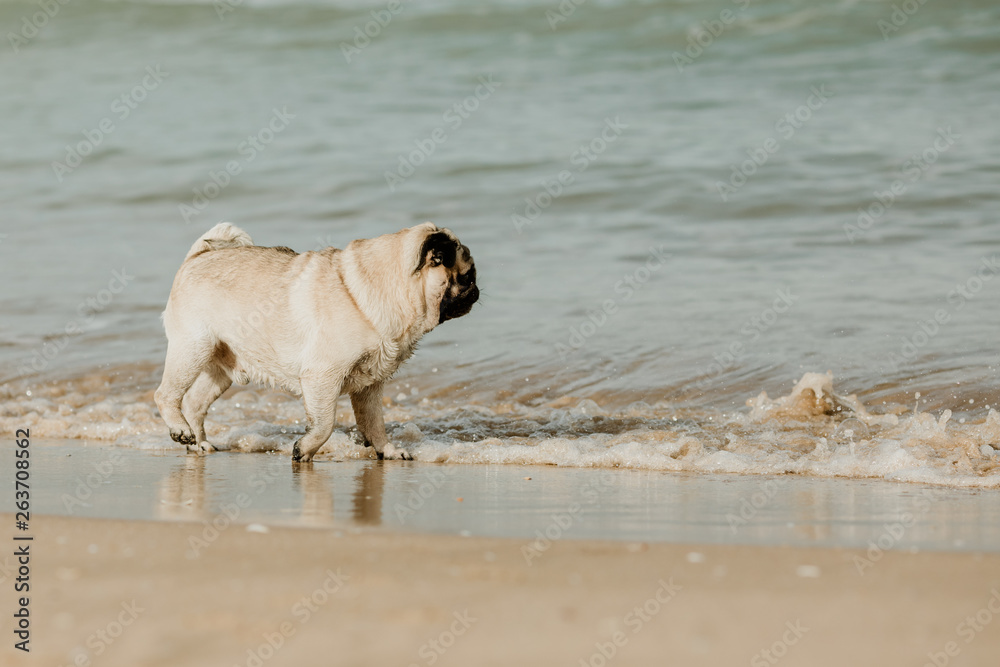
812 431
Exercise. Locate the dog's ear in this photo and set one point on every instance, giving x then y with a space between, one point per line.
438 248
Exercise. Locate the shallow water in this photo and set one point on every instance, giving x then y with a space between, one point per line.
717 295
811 431
540 503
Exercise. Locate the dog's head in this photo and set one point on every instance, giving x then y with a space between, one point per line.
447 272
420 276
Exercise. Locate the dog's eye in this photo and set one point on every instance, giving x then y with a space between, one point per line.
467 278
435 260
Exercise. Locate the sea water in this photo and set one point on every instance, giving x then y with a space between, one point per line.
718 237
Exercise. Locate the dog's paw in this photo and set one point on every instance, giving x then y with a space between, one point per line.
183 437
298 456
201 448
358 438
392 452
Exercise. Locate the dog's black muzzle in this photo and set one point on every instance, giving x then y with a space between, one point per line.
452 307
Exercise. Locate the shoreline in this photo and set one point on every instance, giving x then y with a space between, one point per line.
286 595
508 500
812 432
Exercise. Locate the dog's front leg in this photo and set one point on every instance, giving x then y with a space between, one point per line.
319 397
367 405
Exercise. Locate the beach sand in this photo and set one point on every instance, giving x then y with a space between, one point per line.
378 598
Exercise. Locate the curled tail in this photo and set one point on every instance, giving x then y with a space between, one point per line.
223 235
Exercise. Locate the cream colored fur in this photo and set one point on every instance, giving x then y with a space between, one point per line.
319 324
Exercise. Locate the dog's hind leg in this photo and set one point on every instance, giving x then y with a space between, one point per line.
210 385
185 361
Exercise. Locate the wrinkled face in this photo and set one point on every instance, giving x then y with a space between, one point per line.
448 264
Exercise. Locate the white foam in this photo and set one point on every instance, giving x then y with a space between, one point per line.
810 431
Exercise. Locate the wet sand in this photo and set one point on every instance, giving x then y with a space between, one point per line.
154 557
377 598
518 501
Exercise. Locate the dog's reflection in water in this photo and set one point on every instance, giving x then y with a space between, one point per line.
182 492
317 494
183 495
368 494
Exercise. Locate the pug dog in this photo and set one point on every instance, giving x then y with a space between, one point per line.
318 324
